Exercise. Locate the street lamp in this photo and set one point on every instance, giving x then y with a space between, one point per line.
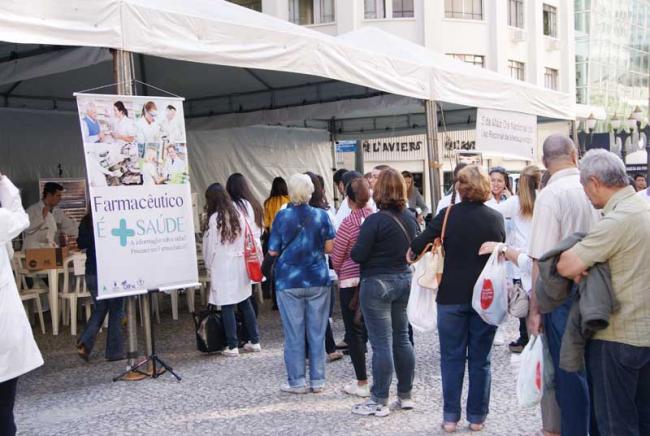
636 118
616 124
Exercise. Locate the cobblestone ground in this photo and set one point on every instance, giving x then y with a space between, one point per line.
220 395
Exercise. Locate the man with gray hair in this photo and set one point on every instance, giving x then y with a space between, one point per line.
561 209
619 355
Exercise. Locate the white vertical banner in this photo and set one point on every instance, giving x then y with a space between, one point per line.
140 197
507 133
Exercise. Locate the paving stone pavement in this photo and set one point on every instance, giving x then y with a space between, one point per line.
220 395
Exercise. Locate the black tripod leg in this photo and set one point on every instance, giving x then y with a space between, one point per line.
167 367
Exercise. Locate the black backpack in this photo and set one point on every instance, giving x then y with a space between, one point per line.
210 334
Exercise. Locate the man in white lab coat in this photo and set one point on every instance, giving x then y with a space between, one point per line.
47 221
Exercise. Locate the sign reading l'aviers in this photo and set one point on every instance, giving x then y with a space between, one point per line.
392 149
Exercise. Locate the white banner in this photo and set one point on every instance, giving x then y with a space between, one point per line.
506 133
140 197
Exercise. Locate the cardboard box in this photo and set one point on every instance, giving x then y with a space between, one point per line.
37 259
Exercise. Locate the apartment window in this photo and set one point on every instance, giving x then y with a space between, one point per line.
311 11
516 13
403 9
374 9
476 60
550 78
464 9
550 21
516 70
255 5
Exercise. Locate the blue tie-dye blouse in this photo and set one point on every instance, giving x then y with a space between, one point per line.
302 264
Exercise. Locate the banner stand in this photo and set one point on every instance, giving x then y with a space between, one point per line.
152 366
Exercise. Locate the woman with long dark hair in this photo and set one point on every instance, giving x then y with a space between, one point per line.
223 251
278 197
240 192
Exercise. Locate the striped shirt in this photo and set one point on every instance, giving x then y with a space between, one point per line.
348 270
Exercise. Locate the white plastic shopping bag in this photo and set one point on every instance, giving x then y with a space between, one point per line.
490 297
421 308
530 384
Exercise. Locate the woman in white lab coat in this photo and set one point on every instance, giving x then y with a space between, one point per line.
18 351
223 251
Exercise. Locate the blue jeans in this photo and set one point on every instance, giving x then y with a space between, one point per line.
571 388
383 304
304 311
230 323
115 309
465 337
621 387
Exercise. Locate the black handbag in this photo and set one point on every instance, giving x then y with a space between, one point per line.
210 333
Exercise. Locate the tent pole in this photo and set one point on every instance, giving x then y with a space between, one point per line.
331 126
123 73
433 156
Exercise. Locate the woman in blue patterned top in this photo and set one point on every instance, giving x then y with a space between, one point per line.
301 236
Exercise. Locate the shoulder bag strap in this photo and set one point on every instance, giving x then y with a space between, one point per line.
444 223
399 223
295 235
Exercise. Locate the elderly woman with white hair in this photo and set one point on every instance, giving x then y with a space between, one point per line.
301 236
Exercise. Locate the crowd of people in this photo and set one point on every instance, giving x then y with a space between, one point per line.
364 249
376 230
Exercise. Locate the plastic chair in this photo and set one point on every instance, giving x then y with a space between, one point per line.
74 275
28 294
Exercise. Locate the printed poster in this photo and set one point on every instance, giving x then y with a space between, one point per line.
506 133
140 197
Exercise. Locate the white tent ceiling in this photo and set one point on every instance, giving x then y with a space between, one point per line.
225 59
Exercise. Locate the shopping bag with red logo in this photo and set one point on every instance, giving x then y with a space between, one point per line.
530 380
490 298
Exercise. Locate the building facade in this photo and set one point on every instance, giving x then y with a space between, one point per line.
530 40
613 55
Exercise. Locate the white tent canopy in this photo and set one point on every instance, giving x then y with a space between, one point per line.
236 68
460 83
217 32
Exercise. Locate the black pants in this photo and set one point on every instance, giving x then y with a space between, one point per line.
7 399
356 334
620 376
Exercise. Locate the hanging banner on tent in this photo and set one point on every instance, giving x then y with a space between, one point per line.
140 197
506 133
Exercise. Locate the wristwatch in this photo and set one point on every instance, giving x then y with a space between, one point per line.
503 248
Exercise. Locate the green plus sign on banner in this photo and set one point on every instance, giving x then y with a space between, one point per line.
123 232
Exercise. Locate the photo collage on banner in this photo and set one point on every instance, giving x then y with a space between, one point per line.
140 197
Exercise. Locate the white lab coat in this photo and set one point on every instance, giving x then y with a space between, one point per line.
229 282
18 351
148 133
42 233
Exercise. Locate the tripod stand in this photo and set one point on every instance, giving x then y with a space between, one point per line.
157 364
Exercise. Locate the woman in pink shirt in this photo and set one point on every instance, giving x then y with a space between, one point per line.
358 194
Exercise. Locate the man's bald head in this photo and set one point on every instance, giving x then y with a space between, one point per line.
559 150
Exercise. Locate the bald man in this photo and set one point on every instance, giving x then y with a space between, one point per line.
561 209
